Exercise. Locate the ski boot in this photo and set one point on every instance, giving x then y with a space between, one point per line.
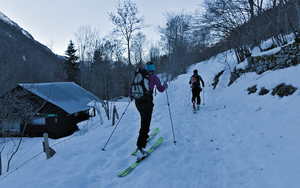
194 107
141 154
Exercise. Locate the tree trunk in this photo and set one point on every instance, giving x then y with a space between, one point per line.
251 4
128 50
297 2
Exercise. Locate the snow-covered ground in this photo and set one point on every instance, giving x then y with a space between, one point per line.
235 140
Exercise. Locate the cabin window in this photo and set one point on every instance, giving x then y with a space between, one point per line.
38 121
11 125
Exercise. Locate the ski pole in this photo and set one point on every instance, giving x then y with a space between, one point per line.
170 117
116 126
203 97
189 95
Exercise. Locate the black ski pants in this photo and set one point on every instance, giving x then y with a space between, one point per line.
196 95
145 107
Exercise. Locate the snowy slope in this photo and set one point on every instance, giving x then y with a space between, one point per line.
9 21
235 140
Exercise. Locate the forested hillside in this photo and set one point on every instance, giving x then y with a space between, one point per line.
24 60
185 38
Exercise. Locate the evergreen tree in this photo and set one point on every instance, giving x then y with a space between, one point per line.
71 64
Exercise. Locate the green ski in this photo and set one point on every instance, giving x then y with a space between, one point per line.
150 137
132 167
194 108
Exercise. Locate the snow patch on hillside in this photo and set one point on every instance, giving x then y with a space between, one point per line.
9 21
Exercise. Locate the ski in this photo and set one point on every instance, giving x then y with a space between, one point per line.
132 167
150 137
194 108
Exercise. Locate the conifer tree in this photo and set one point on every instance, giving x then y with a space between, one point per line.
72 65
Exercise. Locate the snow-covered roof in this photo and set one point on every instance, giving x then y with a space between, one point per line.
67 95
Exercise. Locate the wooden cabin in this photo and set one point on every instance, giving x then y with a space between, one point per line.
60 106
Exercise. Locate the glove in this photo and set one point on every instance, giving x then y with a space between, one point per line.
190 82
165 84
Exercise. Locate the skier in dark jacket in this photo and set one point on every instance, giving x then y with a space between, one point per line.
145 108
196 88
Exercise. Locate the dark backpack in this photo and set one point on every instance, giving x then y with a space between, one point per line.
195 83
140 85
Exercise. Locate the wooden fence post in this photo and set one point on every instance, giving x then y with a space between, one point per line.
96 109
47 149
1 162
115 113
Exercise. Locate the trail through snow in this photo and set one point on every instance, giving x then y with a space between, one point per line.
234 140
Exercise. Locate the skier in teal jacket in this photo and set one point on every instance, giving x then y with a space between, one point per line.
145 108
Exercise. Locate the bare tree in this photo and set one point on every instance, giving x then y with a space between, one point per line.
86 40
175 35
17 108
138 45
222 16
297 5
126 22
241 24
154 53
109 78
114 48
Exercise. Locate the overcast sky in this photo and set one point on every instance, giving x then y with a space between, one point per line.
54 22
